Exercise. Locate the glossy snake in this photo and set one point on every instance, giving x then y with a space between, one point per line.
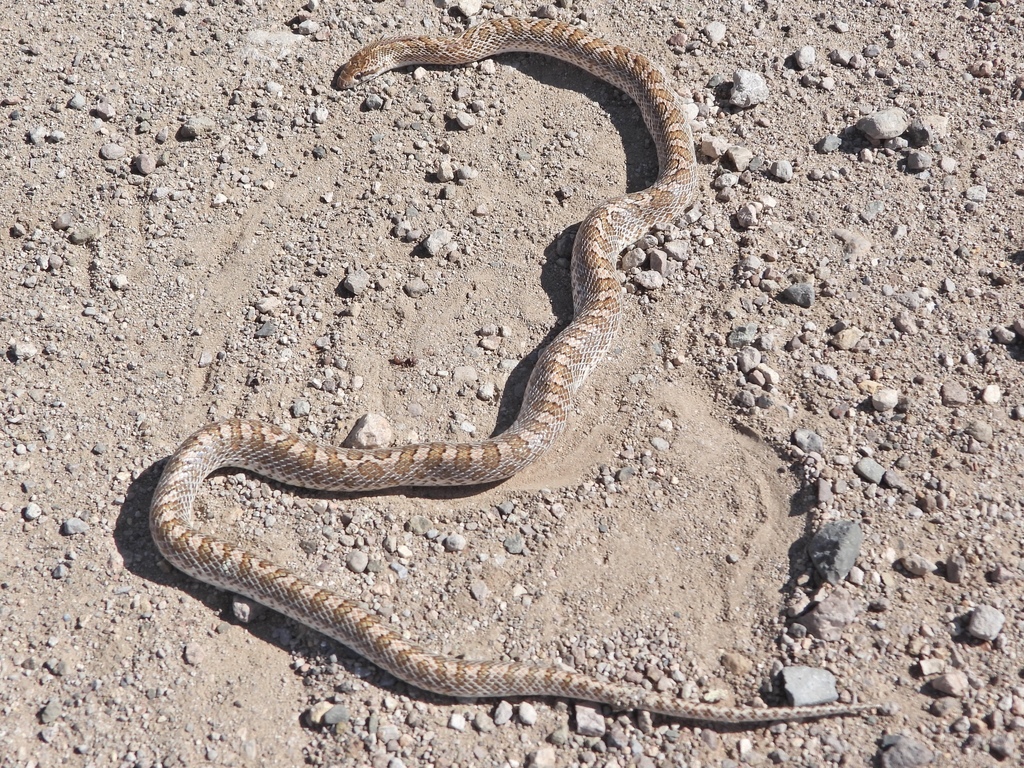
558 375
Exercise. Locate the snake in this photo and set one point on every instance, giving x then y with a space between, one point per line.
560 370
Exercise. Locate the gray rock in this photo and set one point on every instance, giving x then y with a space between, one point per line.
372 430
748 89
356 281
417 525
336 714
112 151
870 470
74 526
980 431
747 359
808 441
801 294
956 567
807 686
436 241
804 58
885 399
828 144
883 125
953 683
454 542
357 561
514 544
300 408
917 565
415 288
143 164
373 102
927 129
834 549
919 161
986 622
905 752
742 335
831 616
589 720
196 127
781 170
954 394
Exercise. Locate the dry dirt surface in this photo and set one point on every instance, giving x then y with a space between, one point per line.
196 226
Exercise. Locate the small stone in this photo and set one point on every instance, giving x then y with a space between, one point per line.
807 686
869 470
373 102
847 338
956 567
22 351
74 526
1001 746
918 161
649 280
543 757
747 359
457 722
831 616
315 714
885 124
418 525
715 32
808 441
503 713
357 561
268 329
976 194
479 590
884 399
336 714
991 394
373 430
916 565
589 720
31 511
514 544
50 713
83 234
835 548
196 127
782 170
76 102
143 164
804 58
800 294
527 714
436 241
454 542
118 282
748 89
300 408
980 431
986 622
742 335
468 7
465 120
905 752
415 288
736 663
828 144
112 151
953 394
930 667
953 683
356 281
194 654
104 110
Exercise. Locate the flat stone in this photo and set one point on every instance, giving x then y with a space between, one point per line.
916 565
807 686
196 127
372 430
953 394
800 294
870 470
885 124
589 720
905 752
953 683
834 549
112 151
74 526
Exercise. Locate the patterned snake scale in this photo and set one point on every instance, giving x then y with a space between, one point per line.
558 375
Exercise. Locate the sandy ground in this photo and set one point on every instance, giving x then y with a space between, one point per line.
183 199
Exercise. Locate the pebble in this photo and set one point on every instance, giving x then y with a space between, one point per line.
747 359
829 144
917 565
514 544
543 757
104 110
800 294
904 752
22 351
748 89
357 561
338 713
436 241
649 280
143 164
356 281
956 568
885 399
870 470
73 526
980 431
465 120
418 525
804 58
300 408
927 129
502 713
742 335
83 234
918 161
660 443
808 441
806 686
715 32
589 720
991 394
118 282
976 194
831 616
527 714
782 170
953 683
469 7
986 622
373 102
196 127
454 542
77 102
315 714
245 610
112 151
847 338
415 288
479 590
954 394
371 430
885 124
31 511
457 722
835 548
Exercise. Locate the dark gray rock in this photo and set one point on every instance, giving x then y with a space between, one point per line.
834 549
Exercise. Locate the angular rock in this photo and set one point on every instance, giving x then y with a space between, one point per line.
806 686
834 549
885 124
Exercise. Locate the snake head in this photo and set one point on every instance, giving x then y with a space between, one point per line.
364 65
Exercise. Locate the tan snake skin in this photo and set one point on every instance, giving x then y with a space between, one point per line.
558 375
